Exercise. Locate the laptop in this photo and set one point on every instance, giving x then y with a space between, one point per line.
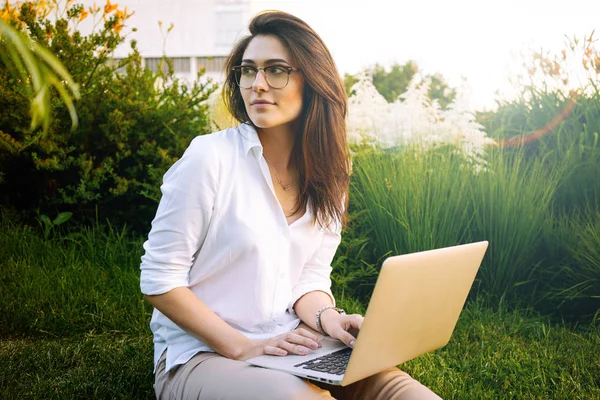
414 308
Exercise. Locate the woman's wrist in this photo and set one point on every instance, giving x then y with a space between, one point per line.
326 317
242 350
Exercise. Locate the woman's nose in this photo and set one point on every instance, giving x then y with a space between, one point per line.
260 82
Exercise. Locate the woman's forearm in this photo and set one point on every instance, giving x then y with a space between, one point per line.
192 315
307 306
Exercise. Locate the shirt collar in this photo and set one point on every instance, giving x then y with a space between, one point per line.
250 138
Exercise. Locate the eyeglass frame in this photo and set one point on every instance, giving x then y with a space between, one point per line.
264 69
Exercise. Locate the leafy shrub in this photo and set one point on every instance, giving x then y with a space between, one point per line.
131 129
573 281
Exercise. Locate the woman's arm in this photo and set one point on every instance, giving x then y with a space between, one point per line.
313 291
307 306
333 323
192 315
178 231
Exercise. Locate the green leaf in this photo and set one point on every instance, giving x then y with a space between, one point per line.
46 220
62 218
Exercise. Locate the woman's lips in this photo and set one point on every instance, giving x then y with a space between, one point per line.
262 105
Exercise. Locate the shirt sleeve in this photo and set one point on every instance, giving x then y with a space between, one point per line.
182 219
316 272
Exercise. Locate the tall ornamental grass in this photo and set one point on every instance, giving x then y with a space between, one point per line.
511 206
561 129
414 200
417 201
556 121
422 184
572 282
583 274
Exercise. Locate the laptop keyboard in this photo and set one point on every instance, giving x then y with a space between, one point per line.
334 363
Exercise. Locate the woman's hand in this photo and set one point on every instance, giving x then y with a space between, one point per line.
299 342
337 325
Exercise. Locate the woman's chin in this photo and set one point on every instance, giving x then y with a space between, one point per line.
264 123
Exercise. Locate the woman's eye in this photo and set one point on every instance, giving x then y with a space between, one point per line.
277 70
248 70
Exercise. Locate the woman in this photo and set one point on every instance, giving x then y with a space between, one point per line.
240 249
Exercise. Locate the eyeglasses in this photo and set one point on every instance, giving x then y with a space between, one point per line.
277 76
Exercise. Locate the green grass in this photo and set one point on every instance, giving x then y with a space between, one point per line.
108 366
78 283
573 147
502 354
574 281
492 355
424 200
414 200
74 325
511 204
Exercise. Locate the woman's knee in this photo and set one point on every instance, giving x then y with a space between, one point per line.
391 383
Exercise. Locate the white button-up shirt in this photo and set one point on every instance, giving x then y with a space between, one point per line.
220 230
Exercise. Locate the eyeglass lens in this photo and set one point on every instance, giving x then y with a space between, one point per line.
277 77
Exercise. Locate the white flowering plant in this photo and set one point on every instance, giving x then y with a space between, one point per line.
414 120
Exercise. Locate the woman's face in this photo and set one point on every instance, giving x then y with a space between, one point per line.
282 106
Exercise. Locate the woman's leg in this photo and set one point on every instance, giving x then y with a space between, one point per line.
389 384
211 376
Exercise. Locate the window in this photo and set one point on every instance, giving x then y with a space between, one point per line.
181 65
211 64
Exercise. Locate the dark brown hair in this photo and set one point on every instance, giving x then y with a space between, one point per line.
320 150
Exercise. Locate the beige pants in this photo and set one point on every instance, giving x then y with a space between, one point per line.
212 376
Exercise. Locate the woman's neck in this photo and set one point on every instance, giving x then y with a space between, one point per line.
278 143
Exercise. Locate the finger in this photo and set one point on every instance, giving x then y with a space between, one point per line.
345 337
292 348
359 320
307 333
295 338
274 351
353 321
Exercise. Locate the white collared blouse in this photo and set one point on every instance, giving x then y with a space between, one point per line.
220 230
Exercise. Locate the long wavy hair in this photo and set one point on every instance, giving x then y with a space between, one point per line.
320 150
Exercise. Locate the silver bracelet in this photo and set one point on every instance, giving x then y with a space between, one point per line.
318 317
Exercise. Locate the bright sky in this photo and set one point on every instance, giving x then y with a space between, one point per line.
479 40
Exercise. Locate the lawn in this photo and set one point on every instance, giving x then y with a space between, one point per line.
492 355
74 325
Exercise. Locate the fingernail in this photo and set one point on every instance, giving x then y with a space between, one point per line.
314 345
352 343
303 351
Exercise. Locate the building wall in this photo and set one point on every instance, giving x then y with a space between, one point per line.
203 33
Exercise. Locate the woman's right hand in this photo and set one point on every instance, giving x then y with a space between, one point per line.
299 342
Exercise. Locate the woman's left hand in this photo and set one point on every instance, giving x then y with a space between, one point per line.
338 326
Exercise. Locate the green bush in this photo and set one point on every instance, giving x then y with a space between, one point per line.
131 127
